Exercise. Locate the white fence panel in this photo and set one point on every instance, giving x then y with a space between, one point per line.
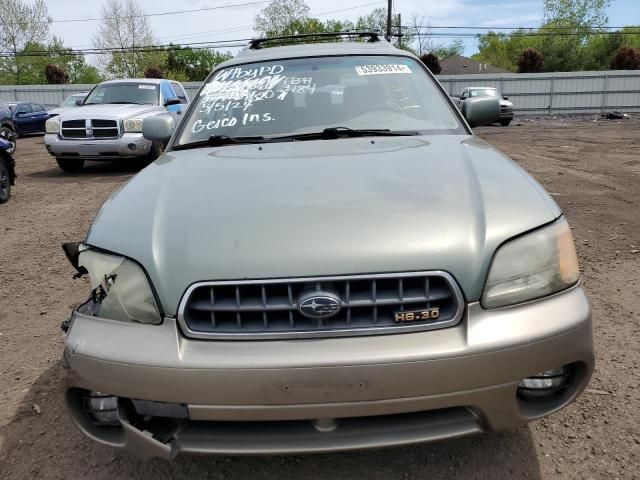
539 93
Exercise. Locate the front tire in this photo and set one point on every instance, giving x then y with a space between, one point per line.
5 181
10 136
70 165
505 122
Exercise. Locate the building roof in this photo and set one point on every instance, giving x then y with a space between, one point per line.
459 65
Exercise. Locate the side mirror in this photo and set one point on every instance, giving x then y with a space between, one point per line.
505 98
481 111
172 101
79 102
158 128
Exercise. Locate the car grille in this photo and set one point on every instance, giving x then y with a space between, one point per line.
104 128
260 309
99 129
506 110
74 129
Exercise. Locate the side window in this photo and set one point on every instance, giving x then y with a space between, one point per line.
179 92
167 92
23 108
35 107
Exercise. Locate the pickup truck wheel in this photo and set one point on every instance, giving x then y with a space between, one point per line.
5 181
10 136
70 165
505 122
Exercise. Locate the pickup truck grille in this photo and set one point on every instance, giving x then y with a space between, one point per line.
74 129
99 129
263 309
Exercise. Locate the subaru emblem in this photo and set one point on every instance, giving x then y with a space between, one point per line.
319 305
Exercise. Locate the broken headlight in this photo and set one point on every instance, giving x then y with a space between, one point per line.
532 266
119 288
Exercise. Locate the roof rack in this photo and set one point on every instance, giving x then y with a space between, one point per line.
257 43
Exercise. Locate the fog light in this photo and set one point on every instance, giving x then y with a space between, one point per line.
102 408
544 384
132 146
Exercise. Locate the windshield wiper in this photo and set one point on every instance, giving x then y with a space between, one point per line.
341 132
219 141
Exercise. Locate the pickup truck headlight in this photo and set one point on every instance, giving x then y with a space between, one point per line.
52 125
532 266
119 288
133 125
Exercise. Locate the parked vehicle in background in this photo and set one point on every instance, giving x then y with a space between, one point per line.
8 128
324 259
7 170
108 123
28 118
506 107
71 101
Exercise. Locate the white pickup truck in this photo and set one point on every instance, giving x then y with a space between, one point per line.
107 125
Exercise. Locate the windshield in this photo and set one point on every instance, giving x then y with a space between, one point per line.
297 96
71 101
483 92
130 92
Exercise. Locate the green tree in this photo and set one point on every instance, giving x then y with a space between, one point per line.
193 65
21 25
503 50
277 18
126 30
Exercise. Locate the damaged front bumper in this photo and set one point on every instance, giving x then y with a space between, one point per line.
176 394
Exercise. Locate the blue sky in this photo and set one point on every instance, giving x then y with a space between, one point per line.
236 23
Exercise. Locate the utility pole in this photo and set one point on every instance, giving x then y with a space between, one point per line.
399 31
389 8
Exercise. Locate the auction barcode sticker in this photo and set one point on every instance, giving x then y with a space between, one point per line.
381 69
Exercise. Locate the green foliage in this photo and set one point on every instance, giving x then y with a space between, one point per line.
190 65
279 16
34 58
445 51
22 25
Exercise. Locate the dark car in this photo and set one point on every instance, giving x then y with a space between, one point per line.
7 171
28 118
7 127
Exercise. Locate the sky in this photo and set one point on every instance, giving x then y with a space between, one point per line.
236 23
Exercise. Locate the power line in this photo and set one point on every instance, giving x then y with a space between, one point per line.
430 27
238 42
240 28
157 14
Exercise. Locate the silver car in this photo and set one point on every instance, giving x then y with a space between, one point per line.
108 123
311 269
506 107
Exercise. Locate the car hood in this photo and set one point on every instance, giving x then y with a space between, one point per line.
317 208
505 103
107 111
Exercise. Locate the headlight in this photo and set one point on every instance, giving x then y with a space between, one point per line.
133 125
119 288
52 125
532 266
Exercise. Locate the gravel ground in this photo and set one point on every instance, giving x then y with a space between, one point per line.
591 167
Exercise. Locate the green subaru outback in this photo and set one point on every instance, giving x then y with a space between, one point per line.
325 258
